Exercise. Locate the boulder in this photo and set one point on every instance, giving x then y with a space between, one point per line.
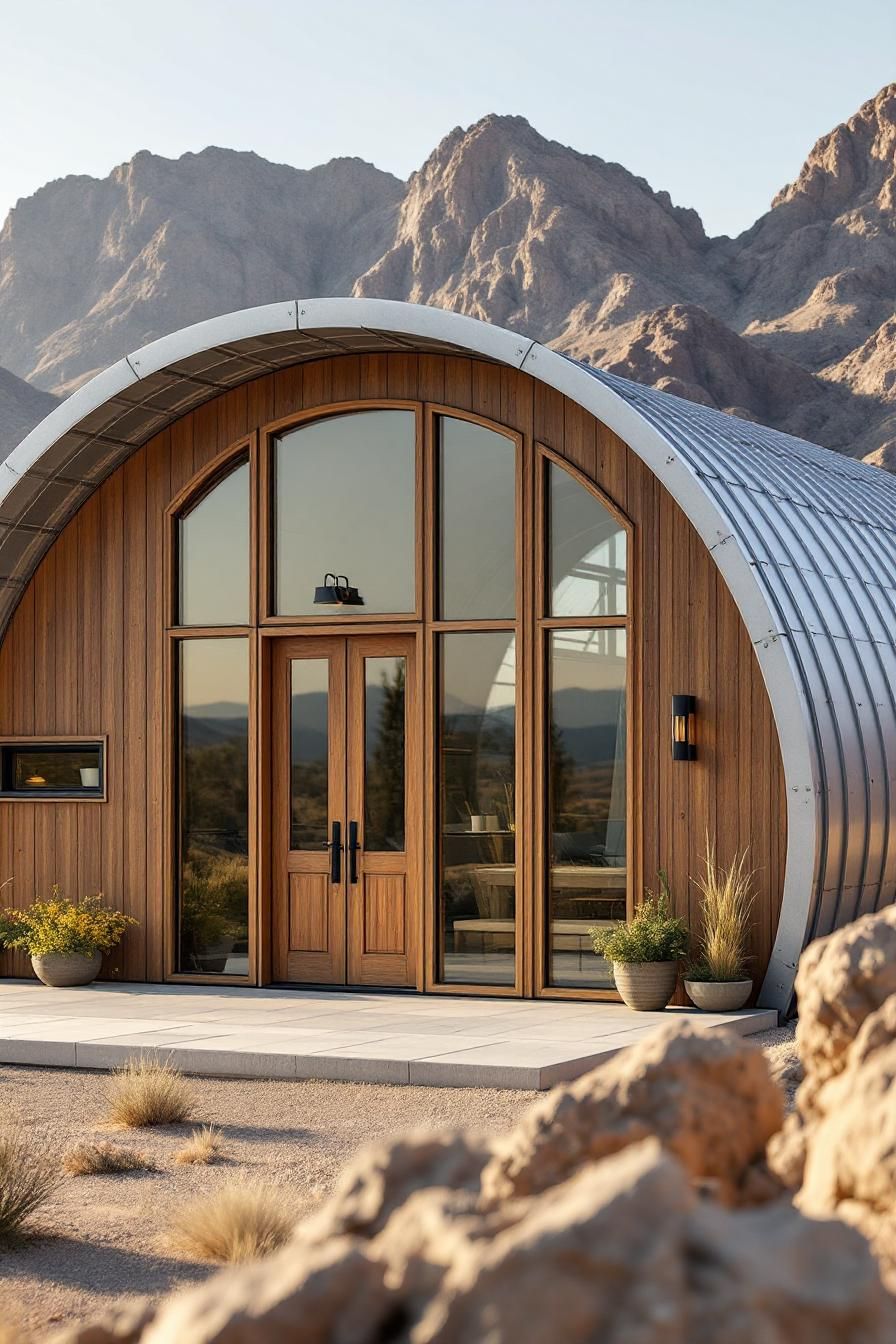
708 1098
625 1251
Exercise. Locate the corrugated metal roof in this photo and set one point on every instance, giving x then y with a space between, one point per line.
804 538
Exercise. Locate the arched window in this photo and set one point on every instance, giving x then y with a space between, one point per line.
212 691
345 503
213 554
586 766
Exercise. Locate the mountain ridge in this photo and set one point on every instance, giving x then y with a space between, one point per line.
791 323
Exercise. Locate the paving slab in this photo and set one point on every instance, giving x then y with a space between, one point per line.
356 1037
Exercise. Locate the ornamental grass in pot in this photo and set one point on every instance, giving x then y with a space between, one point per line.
65 939
718 982
645 952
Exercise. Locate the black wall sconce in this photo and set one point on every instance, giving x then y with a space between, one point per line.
336 591
684 709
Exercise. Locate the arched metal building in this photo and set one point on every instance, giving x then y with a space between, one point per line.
707 511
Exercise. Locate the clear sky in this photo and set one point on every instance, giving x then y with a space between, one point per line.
717 101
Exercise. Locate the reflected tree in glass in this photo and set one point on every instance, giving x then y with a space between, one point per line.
214 806
384 769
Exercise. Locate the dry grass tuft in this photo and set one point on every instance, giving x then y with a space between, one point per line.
103 1159
28 1177
241 1221
146 1092
204 1145
727 901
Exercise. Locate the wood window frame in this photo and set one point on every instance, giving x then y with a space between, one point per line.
435 628
69 741
530 626
266 552
543 624
200 485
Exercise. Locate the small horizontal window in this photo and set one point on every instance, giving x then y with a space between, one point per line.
31 768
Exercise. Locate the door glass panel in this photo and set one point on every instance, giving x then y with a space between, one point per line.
213 559
345 491
384 753
214 807
309 808
477 493
587 799
587 551
477 852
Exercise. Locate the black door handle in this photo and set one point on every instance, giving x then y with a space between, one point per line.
352 849
335 847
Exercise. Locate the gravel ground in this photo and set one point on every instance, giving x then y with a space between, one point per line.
103 1238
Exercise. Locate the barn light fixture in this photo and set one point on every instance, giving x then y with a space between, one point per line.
684 709
336 591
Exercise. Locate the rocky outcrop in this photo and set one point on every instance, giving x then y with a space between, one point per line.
838 1150
613 1213
708 1099
791 324
91 270
21 406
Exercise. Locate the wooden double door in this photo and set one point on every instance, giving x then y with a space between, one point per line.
347 810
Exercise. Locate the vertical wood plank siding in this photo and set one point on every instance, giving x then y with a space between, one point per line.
84 654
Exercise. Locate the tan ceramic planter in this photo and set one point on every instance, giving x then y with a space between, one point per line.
718 996
60 969
646 986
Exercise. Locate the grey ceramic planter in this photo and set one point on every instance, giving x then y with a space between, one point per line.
60 969
718 996
646 986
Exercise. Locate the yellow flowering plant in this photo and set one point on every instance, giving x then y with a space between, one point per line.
60 925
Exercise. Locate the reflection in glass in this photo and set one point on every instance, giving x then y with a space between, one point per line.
213 788
587 799
587 551
476 801
344 502
477 492
384 753
213 560
309 746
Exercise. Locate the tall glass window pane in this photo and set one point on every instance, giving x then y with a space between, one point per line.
384 753
213 561
477 494
309 746
344 503
477 855
587 799
586 553
213 791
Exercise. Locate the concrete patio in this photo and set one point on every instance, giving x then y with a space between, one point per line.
352 1037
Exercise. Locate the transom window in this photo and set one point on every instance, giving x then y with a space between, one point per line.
513 567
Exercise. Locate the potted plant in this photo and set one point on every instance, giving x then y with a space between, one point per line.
65 939
645 953
718 982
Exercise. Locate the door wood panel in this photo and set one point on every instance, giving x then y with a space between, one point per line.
365 931
382 922
309 908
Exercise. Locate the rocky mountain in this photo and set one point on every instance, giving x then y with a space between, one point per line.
791 324
21 406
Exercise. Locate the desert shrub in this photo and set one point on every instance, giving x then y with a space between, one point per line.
241 1221
727 902
29 1174
652 935
146 1092
103 1159
63 926
204 1145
